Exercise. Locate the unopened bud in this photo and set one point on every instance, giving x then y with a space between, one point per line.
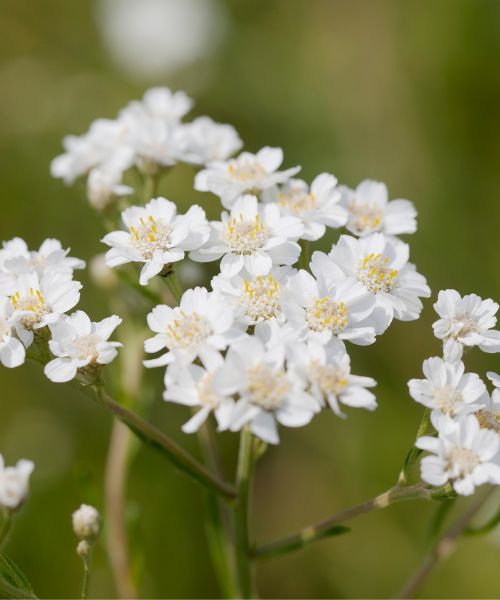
83 549
101 274
86 523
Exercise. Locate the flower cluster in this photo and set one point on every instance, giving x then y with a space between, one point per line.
148 135
37 289
465 451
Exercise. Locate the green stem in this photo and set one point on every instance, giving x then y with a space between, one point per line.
152 436
414 452
217 523
305 255
143 290
87 566
5 525
330 526
174 285
243 546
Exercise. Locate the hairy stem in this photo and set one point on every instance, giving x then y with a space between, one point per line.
152 436
115 488
442 549
243 547
329 526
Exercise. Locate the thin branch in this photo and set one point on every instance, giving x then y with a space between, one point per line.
330 525
442 549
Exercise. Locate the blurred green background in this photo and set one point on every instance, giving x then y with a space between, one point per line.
400 91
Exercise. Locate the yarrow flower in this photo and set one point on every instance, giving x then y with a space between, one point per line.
156 236
317 207
201 326
247 173
86 522
14 483
447 389
321 311
381 264
463 454
269 393
12 352
252 237
327 369
465 321
78 343
257 298
370 210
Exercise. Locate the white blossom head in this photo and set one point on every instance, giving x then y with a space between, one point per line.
78 343
86 523
370 210
14 483
156 236
252 237
246 174
12 352
465 321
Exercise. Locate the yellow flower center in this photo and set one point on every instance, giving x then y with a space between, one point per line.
267 387
34 304
245 169
446 399
297 201
244 237
326 315
86 346
364 218
261 298
328 378
150 235
187 331
206 394
375 274
462 461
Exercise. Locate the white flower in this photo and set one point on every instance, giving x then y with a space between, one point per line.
203 141
164 105
14 483
327 368
156 236
465 321
447 389
192 385
268 392
381 264
343 310
39 302
248 172
252 237
16 259
12 351
103 184
463 453
77 343
201 326
86 522
370 211
104 140
255 298
489 414
317 207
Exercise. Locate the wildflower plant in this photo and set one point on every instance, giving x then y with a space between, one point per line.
262 346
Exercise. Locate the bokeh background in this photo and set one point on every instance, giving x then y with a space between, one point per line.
400 91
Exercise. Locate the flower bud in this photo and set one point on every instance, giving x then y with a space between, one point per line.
86 523
14 483
101 274
83 549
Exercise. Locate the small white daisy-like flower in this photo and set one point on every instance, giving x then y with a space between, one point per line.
192 385
258 298
12 352
370 210
203 141
463 454
14 483
156 236
38 302
269 393
164 105
86 522
381 264
465 321
320 311
201 326
78 343
252 237
16 259
104 184
317 207
247 173
327 368
447 389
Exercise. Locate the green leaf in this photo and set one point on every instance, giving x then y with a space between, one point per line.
13 582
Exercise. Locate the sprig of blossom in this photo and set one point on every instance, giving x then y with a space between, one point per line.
14 483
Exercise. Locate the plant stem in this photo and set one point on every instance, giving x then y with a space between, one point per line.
87 566
329 526
149 434
115 482
143 290
243 484
217 523
414 452
174 285
441 550
305 254
5 525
